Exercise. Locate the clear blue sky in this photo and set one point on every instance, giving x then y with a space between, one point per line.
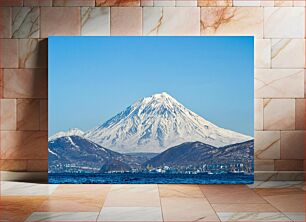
93 78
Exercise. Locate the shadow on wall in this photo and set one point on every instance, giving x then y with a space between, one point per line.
24 117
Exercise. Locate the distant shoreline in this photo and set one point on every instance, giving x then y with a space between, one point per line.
145 178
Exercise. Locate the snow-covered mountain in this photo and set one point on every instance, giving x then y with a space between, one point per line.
70 132
156 123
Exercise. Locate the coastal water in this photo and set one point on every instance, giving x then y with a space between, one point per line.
149 178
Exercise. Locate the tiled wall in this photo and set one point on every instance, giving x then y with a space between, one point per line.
279 28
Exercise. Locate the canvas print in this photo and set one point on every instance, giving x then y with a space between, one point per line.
151 110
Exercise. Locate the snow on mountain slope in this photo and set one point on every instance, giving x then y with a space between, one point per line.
156 123
70 132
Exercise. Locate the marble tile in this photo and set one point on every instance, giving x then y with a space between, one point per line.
71 204
187 209
279 175
299 3
8 114
186 3
266 192
87 191
25 83
18 208
290 175
246 3
126 21
283 50
95 21
283 3
52 16
22 144
26 189
13 165
279 83
171 21
73 2
43 114
305 83
133 196
212 3
25 22
28 114
5 22
278 22
164 3
267 145
123 3
263 165
300 114
230 194
285 199
8 53
33 53
232 21
63 216
37 165
253 216
130 214
5 3
1 85
289 165
295 216
146 3
292 144
279 114
264 207
187 191
258 114
262 53
267 3
37 2
277 184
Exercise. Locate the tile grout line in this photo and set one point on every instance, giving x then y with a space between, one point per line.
160 203
278 210
104 202
209 202
253 190
267 202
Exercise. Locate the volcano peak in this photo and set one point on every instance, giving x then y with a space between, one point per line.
157 122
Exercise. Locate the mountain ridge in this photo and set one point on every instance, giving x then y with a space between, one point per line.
198 153
75 153
72 154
